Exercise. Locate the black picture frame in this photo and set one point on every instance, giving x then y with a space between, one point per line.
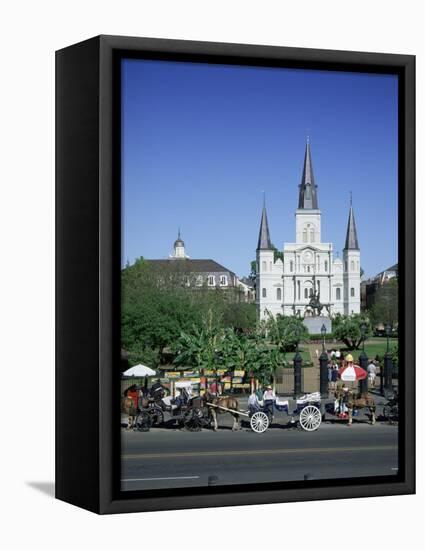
88 240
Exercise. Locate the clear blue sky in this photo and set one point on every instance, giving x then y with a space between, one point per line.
201 142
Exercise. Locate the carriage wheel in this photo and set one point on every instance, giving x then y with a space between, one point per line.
259 422
192 420
143 422
310 418
157 417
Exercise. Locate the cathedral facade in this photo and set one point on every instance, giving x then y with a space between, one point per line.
309 273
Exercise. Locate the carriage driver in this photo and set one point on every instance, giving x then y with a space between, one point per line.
269 394
269 398
157 389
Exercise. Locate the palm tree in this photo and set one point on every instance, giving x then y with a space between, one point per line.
202 348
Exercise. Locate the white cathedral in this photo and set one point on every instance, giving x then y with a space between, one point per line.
309 268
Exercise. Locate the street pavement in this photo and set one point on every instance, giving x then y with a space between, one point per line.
171 457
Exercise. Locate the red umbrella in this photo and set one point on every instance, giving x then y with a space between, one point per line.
351 373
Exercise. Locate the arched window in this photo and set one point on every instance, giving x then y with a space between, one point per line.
346 265
352 292
305 236
312 235
264 293
326 265
264 266
279 294
291 266
306 293
338 294
308 269
352 265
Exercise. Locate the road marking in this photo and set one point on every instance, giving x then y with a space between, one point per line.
185 454
160 478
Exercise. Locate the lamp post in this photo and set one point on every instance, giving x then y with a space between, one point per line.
323 360
297 365
388 364
363 359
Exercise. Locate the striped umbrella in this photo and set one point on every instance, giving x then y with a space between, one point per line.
351 373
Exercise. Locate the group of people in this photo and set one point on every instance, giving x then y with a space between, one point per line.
135 392
334 366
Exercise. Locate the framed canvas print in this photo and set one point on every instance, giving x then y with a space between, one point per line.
235 274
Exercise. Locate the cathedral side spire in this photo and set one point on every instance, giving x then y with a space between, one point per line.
264 241
351 241
308 189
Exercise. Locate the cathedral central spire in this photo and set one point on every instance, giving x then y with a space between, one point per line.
308 189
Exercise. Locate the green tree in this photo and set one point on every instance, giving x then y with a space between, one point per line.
273 359
385 307
347 329
285 331
278 254
240 352
201 347
253 273
153 315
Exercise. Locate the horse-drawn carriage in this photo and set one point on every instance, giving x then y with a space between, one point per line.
195 412
143 409
306 412
349 402
186 409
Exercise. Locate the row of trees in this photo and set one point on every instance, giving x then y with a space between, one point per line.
164 321
156 308
261 352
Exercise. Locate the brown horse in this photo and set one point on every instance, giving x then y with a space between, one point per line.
127 408
357 401
213 402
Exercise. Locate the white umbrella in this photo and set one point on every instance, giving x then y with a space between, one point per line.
139 371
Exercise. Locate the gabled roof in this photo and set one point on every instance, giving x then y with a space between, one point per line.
186 265
308 189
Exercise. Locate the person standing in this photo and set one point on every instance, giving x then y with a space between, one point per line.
330 368
334 377
371 373
133 393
